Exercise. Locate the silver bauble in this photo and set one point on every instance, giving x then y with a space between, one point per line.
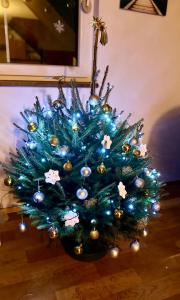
139 183
38 197
85 171
82 194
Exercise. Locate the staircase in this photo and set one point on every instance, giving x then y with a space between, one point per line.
145 6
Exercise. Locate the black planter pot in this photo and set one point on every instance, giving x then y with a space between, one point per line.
93 250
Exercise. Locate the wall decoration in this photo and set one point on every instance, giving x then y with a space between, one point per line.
154 7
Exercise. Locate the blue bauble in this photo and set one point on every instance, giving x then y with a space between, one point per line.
82 194
38 197
155 206
85 171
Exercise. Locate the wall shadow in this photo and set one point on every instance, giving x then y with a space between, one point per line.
164 145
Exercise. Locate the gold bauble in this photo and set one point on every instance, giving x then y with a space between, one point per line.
8 181
134 141
145 232
142 223
106 108
136 152
90 203
114 252
53 232
32 127
126 148
94 234
75 127
68 166
101 168
118 213
54 141
58 103
135 246
78 250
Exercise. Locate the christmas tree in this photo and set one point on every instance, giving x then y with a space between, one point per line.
83 172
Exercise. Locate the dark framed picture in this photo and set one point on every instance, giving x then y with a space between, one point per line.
154 7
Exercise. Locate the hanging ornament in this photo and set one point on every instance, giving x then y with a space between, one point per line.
126 170
78 250
38 197
134 141
114 252
156 206
57 104
118 213
67 166
71 218
82 194
31 145
94 234
90 203
106 108
85 171
136 152
143 150
101 168
52 176
32 126
135 246
54 141
94 100
142 223
53 232
8 181
145 232
94 221
126 148
122 190
104 37
106 142
75 127
139 183
22 226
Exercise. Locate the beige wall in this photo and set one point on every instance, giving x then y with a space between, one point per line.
144 58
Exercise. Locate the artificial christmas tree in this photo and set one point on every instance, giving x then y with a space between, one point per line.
83 173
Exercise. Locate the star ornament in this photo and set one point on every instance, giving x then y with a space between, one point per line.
71 218
143 149
106 142
122 190
52 176
59 26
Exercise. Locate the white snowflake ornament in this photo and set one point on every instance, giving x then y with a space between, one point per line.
71 218
106 142
52 176
143 149
59 26
122 190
